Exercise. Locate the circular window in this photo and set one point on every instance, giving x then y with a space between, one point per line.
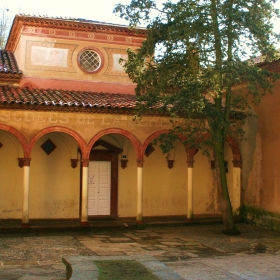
90 60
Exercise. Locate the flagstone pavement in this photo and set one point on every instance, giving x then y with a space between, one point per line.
191 252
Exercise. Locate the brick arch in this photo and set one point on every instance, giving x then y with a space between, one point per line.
232 143
152 137
21 138
135 142
81 142
237 161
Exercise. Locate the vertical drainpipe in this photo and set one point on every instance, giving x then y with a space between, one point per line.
190 162
26 184
84 212
139 206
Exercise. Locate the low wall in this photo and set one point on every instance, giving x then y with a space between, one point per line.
261 218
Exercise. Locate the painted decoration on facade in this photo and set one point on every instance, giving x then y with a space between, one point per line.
114 66
49 56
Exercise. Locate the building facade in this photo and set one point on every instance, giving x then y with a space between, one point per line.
70 147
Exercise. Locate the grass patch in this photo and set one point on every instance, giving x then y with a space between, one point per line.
123 270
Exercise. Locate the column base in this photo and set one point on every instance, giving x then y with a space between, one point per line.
84 224
189 219
25 225
139 222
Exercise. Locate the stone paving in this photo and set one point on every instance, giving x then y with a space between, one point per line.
193 252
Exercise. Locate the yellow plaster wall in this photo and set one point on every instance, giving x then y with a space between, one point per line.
54 184
205 193
72 71
204 187
128 186
164 189
11 177
86 124
261 154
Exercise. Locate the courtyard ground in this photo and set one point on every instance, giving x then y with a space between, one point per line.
194 251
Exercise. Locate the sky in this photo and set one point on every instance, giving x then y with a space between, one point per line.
99 10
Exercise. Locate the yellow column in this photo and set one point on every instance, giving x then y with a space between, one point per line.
84 214
139 202
236 192
190 188
26 183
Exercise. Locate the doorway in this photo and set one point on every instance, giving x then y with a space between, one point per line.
99 188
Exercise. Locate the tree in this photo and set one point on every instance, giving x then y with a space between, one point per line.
197 65
5 23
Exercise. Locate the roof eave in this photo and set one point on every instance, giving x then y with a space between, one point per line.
69 24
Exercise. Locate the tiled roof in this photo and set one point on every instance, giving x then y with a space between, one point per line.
39 98
9 71
8 63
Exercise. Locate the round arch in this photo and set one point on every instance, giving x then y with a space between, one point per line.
232 143
75 135
152 137
135 142
21 138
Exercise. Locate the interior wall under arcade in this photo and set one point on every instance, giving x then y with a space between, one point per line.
54 184
205 193
165 189
11 190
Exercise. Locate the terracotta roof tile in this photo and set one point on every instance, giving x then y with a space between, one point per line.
8 63
50 97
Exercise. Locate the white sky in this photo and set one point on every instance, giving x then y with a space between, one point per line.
100 10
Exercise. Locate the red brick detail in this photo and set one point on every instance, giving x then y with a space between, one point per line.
237 161
135 142
123 88
85 162
24 162
190 162
235 150
152 137
81 142
21 138
83 36
140 162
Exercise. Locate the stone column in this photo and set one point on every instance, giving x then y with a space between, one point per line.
84 214
236 190
26 183
190 162
139 203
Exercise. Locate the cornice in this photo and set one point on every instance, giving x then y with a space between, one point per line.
21 21
76 109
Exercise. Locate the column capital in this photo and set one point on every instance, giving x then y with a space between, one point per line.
237 163
85 162
24 162
140 162
190 162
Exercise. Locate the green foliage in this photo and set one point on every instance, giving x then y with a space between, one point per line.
198 66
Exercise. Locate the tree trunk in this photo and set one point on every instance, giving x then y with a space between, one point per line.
225 204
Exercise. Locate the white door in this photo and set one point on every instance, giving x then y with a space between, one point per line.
99 188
